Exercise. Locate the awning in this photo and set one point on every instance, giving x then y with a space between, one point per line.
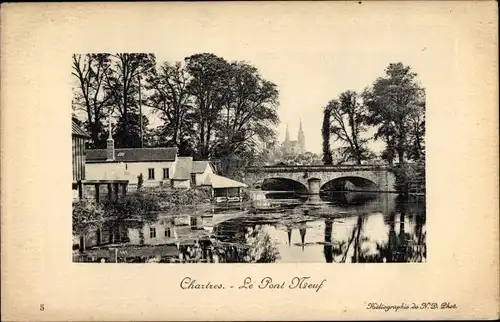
222 182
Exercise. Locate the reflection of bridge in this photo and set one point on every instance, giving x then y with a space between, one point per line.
313 179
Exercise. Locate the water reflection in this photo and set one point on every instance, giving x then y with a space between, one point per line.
350 227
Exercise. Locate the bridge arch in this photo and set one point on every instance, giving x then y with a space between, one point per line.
349 183
280 184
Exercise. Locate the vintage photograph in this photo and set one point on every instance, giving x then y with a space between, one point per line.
209 159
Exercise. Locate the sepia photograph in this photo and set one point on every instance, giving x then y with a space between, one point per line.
275 137
189 161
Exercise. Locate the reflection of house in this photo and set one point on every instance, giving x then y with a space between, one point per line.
93 189
159 167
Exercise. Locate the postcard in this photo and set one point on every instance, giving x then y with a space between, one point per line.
250 161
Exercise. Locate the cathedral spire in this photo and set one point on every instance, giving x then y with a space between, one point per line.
287 135
301 138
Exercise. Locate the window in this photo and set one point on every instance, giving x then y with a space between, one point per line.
152 232
151 174
193 178
166 175
168 233
193 221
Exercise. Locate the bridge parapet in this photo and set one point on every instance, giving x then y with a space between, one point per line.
319 168
316 176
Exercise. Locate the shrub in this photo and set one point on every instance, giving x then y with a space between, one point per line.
87 216
405 175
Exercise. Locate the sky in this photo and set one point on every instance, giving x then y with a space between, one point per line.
312 55
308 80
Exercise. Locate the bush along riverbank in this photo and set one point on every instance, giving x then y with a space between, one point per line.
410 179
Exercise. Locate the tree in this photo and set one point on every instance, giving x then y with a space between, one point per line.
209 76
248 113
325 133
396 105
128 69
417 134
172 102
90 96
306 158
348 124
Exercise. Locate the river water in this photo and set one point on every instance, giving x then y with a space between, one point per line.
341 227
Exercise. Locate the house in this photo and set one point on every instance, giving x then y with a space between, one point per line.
189 173
93 189
159 167
224 189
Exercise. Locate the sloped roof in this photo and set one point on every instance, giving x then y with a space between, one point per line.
217 181
77 131
199 166
133 155
183 168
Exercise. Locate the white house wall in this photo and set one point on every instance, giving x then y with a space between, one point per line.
201 177
185 184
129 171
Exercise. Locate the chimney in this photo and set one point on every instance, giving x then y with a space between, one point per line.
110 146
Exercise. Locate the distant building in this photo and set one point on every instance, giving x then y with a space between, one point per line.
294 147
289 148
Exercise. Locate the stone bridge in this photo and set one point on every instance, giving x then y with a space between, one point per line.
313 179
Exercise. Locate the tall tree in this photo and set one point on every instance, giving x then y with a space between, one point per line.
325 133
172 102
90 96
248 113
348 125
417 133
123 85
209 76
396 105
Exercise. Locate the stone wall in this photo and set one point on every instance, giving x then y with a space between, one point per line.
383 179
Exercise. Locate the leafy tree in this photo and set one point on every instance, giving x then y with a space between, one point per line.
325 133
396 105
249 111
172 102
348 125
90 95
128 69
128 132
306 158
417 134
209 77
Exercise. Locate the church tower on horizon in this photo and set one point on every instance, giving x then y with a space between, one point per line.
297 146
301 138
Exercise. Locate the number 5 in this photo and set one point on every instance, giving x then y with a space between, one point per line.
42 307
